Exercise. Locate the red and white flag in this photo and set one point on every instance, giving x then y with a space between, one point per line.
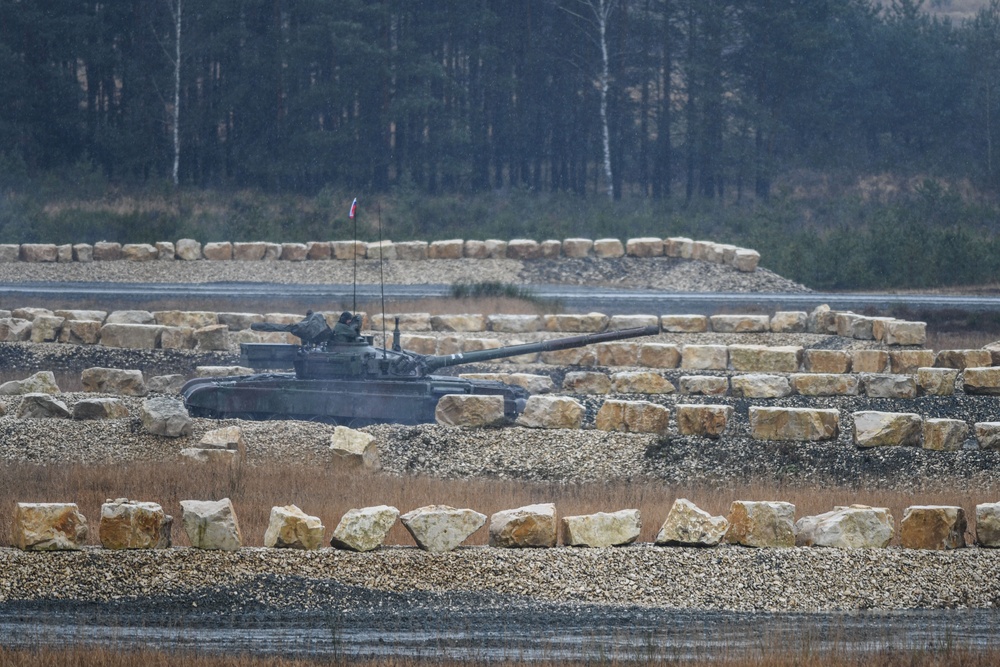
354 208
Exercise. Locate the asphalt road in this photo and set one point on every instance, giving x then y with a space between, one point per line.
572 298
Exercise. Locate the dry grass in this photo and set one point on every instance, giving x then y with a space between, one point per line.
328 493
959 340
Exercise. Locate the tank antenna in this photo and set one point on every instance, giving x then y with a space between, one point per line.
354 217
381 277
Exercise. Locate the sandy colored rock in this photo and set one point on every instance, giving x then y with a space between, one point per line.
703 385
854 527
678 246
705 357
100 408
602 529
46 328
963 359
617 353
165 416
470 410
122 382
186 318
524 527
211 524
578 323
354 449
14 329
188 250
884 385
684 323
761 524
789 321
178 338
586 382
449 249
318 250
764 359
608 248
746 260
646 246
364 529
905 333
945 435
42 406
290 528
980 381
252 251
577 247
209 456
759 385
130 317
869 361
295 252
165 251
348 250
824 384
212 337
826 361
42 382
579 356
640 382
938 527
708 421
740 323
49 527
659 355
464 322
887 429
795 424
552 412
130 524
632 417
523 249
987 435
227 437
988 525
689 525
38 252
133 336
936 381
80 332
907 362
852 325
440 528
513 323
139 252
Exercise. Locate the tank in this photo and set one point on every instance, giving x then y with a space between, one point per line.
341 377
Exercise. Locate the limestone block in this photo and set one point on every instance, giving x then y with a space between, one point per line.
632 417
211 524
130 317
49 527
937 527
552 412
980 381
826 361
659 355
936 381
295 252
249 252
887 429
130 524
469 410
495 248
440 528
422 344
272 252
364 529
962 359
381 250
113 381
39 252
513 323
475 250
796 424
631 321
290 528
740 323
536 384
987 434
528 526
290 318
707 421
187 249
80 332
134 336
82 315
318 250
880 385
523 249
30 313
905 333
450 249
705 357
105 251
946 435
704 385
640 382
580 356
825 384
477 344
603 529
139 252
854 527
178 338
684 323
412 251
908 361
349 249
678 246
210 456
617 353
644 247
763 359
463 322
407 321
586 382
577 247
166 384
42 382
165 416
238 321
11 252
164 251
82 252
550 248
746 260
700 249
608 248
42 406
46 328
879 325
869 361
687 525
181 318
580 323
100 408
994 350
14 329
227 437
221 371
759 385
761 524
988 525
852 325
64 252
354 449
789 321
212 337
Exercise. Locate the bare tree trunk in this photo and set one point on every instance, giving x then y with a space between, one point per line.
602 10
177 93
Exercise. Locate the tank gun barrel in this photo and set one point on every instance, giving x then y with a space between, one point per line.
433 362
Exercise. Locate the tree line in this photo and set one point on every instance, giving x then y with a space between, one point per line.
636 98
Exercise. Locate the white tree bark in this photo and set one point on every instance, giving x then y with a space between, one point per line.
602 10
177 92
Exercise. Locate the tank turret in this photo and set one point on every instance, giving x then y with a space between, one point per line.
341 376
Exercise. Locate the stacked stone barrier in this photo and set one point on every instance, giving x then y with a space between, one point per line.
742 259
213 525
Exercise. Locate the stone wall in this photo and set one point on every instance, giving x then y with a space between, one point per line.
742 259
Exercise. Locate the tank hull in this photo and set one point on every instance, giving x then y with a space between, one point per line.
349 402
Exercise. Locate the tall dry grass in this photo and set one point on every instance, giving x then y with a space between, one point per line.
328 493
